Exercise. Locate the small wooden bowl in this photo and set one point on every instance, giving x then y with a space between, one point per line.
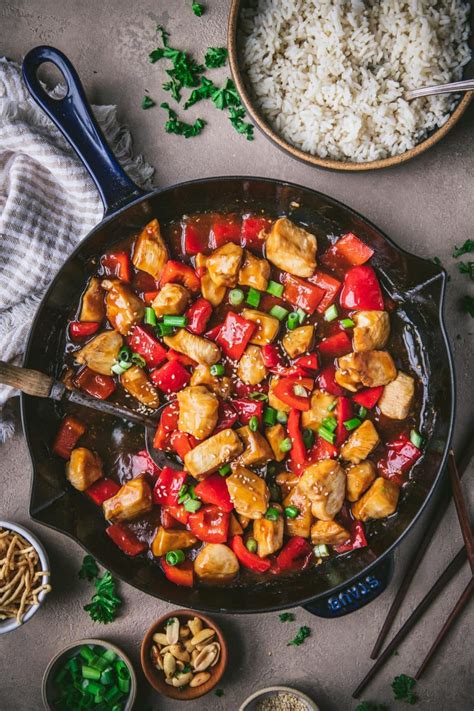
156 677
265 128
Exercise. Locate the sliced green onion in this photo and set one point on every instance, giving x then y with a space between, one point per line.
107 676
179 321
326 434
299 390
308 438
223 471
150 316
124 354
110 655
112 694
138 360
352 423
91 687
330 423
90 673
274 288
253 423
236 296
192 493
164 330
362 411
120 367
269 416
321 551
301 315
347 323
251 545
279 312
416 439
258 396
217 369
192 505
175 557
253 297
291 512
285 445
272 514
282 417
292 321
331 313
332 406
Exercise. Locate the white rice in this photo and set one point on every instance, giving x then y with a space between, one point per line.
329 75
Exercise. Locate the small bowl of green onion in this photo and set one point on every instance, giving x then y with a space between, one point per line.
88 674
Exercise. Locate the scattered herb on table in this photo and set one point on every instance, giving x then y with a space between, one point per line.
465 248
467 304
236 116
180 128
369 706
198 9
147 102
105 603
467 268
185 70
89 569
215 57
287 617
437 261
226 96
219 692
203 91
403 689
301 635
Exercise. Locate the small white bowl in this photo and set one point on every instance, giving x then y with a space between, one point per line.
251 702
12 624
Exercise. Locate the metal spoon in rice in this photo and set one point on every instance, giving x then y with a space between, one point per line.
452 88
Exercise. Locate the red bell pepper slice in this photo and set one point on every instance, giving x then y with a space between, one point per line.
326 381
253 229
142 463
343 413
225 229
357 539
246 409
126 540
349 250
285 391
272 359
301 293
180 273
213 490
168 423
338 345
194 237
177 513
117 264
361 290
210 524
99 386
144 282
171 377
400 455
142 342
102 489
249 560
298 449
181 358
304 366
295 554
149 297
182 443
227 416
82 329
320 450
198 315
368 398
214 332
182 574
166 519
167 487
70 431
234 335
331 288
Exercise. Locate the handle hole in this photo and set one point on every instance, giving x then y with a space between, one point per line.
53 80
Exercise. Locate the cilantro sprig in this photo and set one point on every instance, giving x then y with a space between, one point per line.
105 602
300 637
89 569
402 687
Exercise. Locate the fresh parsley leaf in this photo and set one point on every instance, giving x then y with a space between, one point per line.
467 268
215 57
437 261
180 128
89 569
468 246
219 692
226 96
236 118
287 617
301 635
197 9
403 689
105 603
147 102
203 91
185 71
467 304
368 706
164 34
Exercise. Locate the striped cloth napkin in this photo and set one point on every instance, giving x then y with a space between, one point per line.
48 203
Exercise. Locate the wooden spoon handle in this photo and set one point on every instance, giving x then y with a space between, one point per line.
31 382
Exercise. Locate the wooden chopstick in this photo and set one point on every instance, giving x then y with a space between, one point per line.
445 577
418 555
461 508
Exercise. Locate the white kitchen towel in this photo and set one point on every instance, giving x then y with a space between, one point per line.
48 204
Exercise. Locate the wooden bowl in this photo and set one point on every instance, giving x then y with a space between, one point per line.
157 678
266 129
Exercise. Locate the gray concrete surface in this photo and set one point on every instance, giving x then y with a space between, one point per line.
426 206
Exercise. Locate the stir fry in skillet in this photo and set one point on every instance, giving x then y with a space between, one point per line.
290 405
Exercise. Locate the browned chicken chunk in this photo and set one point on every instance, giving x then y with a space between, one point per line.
269 534
123 307
167 539
368 369
397 397
251 369
360 443
287 482
216 563
197 411
301 525
135 381
321 402
257 450
329 533
93 305
197 348
133 499
220 386
359 478
172 299
324 484
298 341
101 352
378 502
150 253
224 263
83 468
371 331
291 248
275 436
210 290
254 272
267 326
248 491
213 453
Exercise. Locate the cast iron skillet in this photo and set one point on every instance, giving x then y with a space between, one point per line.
341 584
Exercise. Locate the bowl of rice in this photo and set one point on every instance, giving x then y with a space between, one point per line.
325 79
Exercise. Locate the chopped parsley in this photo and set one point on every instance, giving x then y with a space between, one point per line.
286 617
105 603
203 91
403 689
180 128
301 635
369 706
219 692
236 116
467 304
226 96
147 102
89 569
437 261
198 9
215 57
467 268
185 70
465 248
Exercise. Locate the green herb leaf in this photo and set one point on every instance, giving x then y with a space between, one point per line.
403 688
219 692
105 603
226 96
147 102
89 569
467 268
368 706
215 57
301 635
286 617
197 9
467 304
180 128
437 261
468 246
164 34
236 116
203 91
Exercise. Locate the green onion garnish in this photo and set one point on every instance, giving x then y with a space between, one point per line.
326 434
253 297
269 416
272 514
138 360
331 313
192 505
308 438
282 417
258 396
352 423
292 321
253 423
120 367
150 316
175 557
251 545
416 439
90 673
332 406
285 445
274 288
223 471
217 369
179 321
164 330
362 411
291 512
347 323
330 423
236 296
279 312
321 551
301 315
124 354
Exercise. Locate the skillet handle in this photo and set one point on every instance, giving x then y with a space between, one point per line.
31 382
73 117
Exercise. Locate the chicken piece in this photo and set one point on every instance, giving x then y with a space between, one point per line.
298 341
301 525
267 326
213 453
287 482
135 381
378 502
220 386
150 253
371 331
209 289
83 468
254 272
359 478
360 443
269 534
321 406
368 369
397 397
328 532
251 369
244 521
197 348
167 539
197 411
172 299
123 307
257 450
275 436
291 248
223 264
249 493
132 499
235 529
216 563
101 352
324 484
93 305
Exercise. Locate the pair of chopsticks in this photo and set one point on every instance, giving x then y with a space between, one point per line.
466 552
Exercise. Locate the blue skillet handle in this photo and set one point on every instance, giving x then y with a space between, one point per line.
360 593
73 117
